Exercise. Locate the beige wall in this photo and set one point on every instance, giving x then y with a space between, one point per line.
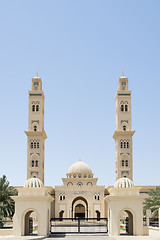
74 191
125 199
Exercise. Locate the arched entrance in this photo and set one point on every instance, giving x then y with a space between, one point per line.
61 215
98 215
126 222
79 211
31 223
79 208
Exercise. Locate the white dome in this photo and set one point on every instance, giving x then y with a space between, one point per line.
33 183
80 167
123 183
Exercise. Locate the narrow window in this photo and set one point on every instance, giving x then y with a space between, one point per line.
126 108
37 144
36 163
127 144
37 108
124 144
122 108
121 144
33 108
126 163
63 197
122 163
32 163
31 144
34 144
95 197
124 128
98 197
60 198
35 128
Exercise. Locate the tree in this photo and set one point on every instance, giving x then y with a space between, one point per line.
153 201
7 205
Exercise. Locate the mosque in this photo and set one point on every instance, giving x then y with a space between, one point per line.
79 205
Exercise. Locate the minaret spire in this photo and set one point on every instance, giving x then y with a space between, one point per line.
123 134
36 135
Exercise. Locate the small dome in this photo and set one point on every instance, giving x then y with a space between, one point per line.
123 183
80 167
33 183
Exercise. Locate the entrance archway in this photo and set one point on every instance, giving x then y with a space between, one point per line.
61 215
79 208
98 215
31 223
126 222
79 211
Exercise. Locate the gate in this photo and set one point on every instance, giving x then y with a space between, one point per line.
78 225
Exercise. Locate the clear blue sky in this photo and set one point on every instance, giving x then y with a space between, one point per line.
80 49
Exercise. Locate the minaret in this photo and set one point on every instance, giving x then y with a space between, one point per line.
36 134
123 134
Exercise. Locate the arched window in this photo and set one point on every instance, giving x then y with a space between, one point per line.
98 198
31 144
36 163
80 184
124 144
33 108
121 144
34 144
69 184
122 107
95 196
127 144
126 108
126 163
79 175
90 184
37 108
124 128
122 163
60 198
63 197
35 128
32 163
37 144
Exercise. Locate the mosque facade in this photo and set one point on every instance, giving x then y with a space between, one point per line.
79 197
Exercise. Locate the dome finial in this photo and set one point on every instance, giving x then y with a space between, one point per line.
122 74
37 74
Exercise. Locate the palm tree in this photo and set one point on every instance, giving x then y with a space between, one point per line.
7 206
153 201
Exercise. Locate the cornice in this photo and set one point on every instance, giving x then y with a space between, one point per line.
122 133
38 133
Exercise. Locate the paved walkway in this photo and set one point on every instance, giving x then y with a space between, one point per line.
77 237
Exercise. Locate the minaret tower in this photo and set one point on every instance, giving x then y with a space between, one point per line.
123 134
36 134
